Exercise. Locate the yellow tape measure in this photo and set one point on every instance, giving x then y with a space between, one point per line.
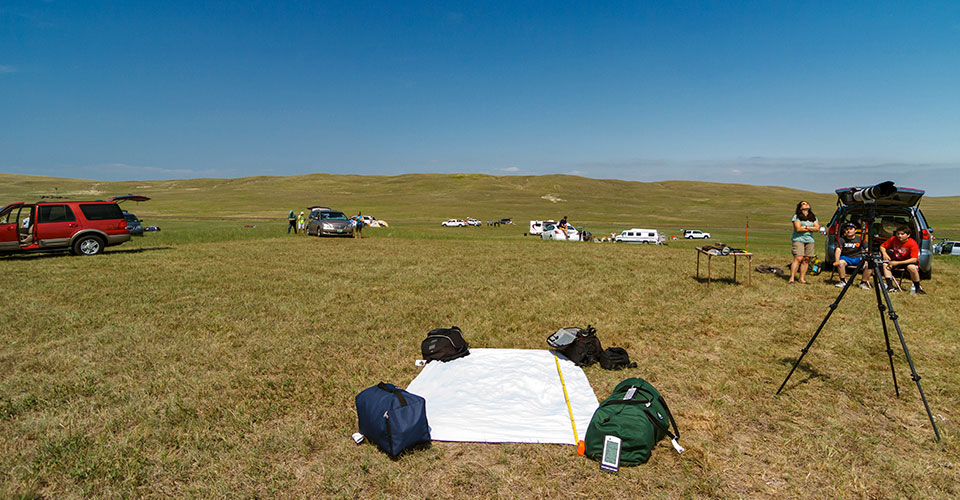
576 437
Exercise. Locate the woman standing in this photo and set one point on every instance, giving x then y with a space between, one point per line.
805 223
358 228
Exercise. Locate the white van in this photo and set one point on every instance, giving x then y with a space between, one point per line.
537 226
639 236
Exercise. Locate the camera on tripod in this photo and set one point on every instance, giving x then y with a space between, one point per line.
866 199
882 190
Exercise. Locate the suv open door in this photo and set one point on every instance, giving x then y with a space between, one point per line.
17 226
10 226
904 197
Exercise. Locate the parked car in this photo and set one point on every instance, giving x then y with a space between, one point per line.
536 226
947 247
505 221
639 236
901 208
81 227
473 222
695 234
324 221
554 232
453 223
134 225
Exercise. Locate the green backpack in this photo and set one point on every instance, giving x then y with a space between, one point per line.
637 414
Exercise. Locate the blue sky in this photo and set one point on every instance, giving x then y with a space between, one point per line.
811 95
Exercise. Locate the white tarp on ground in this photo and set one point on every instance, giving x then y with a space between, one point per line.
505 396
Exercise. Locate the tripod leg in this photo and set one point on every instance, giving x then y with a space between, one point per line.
913 371
833 307
883 322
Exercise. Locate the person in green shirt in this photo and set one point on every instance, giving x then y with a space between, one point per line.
805 223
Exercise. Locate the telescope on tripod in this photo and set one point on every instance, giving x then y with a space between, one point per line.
874 261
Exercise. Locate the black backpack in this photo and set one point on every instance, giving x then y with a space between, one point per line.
585 348
615 358
444 344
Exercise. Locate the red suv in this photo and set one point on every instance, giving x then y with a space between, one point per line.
82 227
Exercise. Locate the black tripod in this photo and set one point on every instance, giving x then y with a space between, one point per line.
875 262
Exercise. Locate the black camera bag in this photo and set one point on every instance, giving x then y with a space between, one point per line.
585 349
444 344
615 358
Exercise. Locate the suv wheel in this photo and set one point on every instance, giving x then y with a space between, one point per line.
88 245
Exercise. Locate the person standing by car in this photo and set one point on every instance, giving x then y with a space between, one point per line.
302 223
563 227
848 254
901 251
358 226
292 220
805 223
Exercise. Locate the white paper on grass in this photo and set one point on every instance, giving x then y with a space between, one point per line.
505 396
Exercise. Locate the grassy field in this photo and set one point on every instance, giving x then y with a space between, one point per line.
212 360
600 204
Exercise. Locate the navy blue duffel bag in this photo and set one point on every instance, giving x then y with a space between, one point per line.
392 417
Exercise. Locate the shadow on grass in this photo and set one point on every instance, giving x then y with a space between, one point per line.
812 373
724 280
419 447
64 253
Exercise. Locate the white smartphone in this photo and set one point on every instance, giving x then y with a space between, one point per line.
610 459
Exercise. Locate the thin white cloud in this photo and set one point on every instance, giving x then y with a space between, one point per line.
123 172
811 174
144 172
7 69
509 169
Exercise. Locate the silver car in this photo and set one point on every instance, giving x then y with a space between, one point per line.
324 221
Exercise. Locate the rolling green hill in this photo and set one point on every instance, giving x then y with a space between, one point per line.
434 197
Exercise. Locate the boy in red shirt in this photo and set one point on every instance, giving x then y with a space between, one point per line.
901 251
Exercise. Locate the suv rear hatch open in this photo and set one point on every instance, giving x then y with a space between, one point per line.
904 197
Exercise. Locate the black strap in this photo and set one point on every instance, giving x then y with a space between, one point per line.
646 410
631 400
670 415
396 392
657 424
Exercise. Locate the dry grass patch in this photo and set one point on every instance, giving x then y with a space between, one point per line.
229 368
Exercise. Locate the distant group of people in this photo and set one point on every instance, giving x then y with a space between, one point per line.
297 223
899 251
